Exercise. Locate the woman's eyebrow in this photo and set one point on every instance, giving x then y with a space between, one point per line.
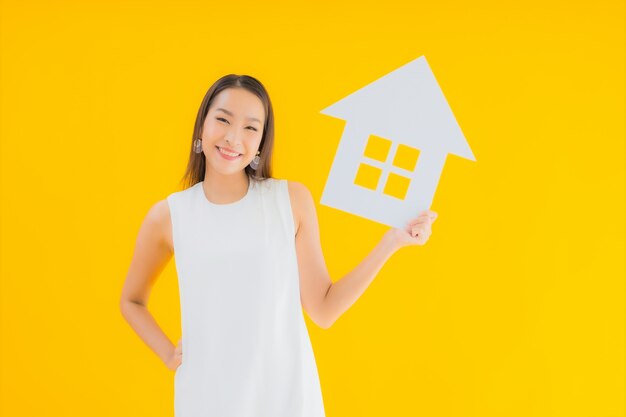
230 114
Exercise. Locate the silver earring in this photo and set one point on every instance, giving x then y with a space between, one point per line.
197 145
255 162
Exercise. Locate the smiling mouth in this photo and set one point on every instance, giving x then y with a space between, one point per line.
228 154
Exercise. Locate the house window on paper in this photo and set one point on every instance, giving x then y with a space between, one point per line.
376 174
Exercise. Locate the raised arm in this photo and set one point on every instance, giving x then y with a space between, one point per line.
153 250
323 300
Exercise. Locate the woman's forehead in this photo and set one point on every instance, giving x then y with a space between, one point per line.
236 100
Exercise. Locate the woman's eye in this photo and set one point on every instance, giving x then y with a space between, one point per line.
221 119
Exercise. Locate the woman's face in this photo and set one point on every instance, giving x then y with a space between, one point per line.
234 123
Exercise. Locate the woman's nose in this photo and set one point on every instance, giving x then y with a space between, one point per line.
232 137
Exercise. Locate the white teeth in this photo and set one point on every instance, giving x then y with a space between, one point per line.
227 153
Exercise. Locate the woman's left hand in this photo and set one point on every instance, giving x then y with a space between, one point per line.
416 231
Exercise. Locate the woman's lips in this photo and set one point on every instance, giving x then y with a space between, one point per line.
227 157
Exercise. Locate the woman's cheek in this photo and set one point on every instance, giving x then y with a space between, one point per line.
216 126
213 130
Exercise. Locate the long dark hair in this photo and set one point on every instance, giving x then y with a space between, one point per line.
196 166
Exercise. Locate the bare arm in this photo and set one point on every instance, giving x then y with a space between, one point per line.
323 300
343 293
152 253
314 279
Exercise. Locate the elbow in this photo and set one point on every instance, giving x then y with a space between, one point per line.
328 325
325 324
327 321
126 305
126 302
321 321
123 306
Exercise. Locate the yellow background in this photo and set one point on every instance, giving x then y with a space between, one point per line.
515 307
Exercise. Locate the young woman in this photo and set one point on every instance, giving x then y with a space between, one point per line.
248 260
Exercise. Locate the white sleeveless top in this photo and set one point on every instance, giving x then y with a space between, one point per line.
246 348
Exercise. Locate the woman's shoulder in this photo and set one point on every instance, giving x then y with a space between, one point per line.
184 192
297 188
157 220
301 200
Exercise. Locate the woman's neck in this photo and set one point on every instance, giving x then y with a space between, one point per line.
225 189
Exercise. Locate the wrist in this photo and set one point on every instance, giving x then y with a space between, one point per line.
389 242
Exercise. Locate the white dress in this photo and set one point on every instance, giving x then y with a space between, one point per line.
246 348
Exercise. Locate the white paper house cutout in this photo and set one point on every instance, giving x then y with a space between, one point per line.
406 110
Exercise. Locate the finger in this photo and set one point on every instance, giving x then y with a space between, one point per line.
421 225
424 229
422 215
419 220
418 225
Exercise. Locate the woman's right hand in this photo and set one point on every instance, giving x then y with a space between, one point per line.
177 356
